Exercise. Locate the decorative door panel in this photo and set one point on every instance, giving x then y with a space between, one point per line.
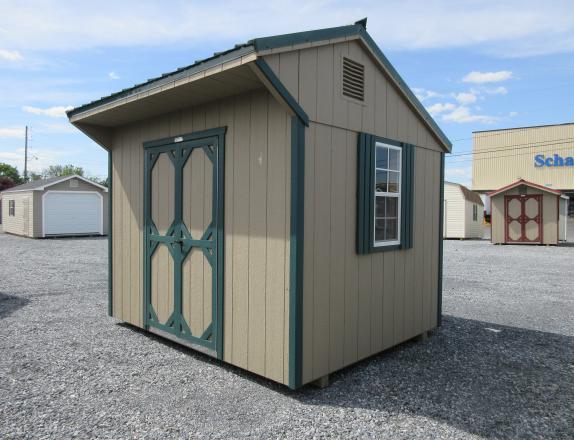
523 218
184 238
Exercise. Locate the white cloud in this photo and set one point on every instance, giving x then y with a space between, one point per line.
463 114
12 132
500 90
423 94
462 174
10 55
37 159
513 114
53 112
487 77
509 28
440 107
113 75
465 97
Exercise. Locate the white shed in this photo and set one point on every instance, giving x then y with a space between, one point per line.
563 218
463 212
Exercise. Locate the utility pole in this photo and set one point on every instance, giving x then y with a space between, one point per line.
26 155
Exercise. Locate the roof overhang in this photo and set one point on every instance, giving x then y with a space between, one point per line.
56 182
228 73
526 183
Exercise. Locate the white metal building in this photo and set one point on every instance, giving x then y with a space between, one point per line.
463 212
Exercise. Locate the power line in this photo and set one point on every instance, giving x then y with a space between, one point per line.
509 155
515 147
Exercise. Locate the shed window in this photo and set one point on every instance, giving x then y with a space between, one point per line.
385 182
11 208
474 213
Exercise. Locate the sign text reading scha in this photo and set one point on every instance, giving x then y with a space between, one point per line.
553 161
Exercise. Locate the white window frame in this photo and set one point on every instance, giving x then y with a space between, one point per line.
398 195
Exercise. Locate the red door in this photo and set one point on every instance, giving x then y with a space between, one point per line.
523 218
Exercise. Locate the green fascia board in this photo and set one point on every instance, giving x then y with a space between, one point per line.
167 78
349 31
440 243
282 90
296 240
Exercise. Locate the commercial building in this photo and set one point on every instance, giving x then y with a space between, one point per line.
277 205
543 155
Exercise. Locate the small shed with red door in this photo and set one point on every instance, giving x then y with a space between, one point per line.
525 213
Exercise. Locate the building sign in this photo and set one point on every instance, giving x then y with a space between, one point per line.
540 160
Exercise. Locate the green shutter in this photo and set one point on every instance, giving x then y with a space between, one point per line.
366 194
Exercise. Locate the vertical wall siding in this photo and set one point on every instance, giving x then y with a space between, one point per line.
257 213
354 306
22 223
454 212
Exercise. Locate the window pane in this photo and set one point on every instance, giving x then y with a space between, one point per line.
393 182
379 230
392 207
380 207
394 160
391 229
381 184
382 157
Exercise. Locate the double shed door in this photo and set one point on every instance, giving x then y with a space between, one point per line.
184 238
523 218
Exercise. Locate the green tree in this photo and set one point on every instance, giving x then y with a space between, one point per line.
11 172
6 183
35 176
62 170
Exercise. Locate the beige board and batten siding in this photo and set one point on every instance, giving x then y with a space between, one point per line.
357 305
549 214
22 222
256 230
493 169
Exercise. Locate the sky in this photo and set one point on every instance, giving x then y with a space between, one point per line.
475 65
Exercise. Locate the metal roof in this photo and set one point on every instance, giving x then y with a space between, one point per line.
42 183
265 43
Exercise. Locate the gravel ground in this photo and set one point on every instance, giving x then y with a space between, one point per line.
502 365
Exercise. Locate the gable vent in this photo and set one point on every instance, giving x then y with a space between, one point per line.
353 79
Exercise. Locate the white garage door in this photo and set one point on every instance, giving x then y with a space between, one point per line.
72 213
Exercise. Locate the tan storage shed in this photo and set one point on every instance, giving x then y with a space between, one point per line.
525 213
253 193
59 206
463 212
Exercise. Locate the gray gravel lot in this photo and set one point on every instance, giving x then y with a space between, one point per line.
502 365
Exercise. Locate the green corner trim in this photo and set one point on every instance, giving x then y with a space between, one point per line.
280 88
296 253
440 242
110 243
366 194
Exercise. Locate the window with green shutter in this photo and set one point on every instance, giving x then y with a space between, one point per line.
385 182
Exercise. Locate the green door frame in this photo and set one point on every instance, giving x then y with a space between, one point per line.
178 239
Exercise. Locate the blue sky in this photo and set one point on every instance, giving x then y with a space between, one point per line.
476 65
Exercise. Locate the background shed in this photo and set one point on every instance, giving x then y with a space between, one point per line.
525 213
59 206
463 212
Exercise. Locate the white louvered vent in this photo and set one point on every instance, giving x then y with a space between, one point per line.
353 79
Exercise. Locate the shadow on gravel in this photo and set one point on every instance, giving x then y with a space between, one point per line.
10 303
485 379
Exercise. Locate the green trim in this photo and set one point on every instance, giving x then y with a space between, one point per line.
280 88
273 42
178 239
366 194
296 253
440 242
110 242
